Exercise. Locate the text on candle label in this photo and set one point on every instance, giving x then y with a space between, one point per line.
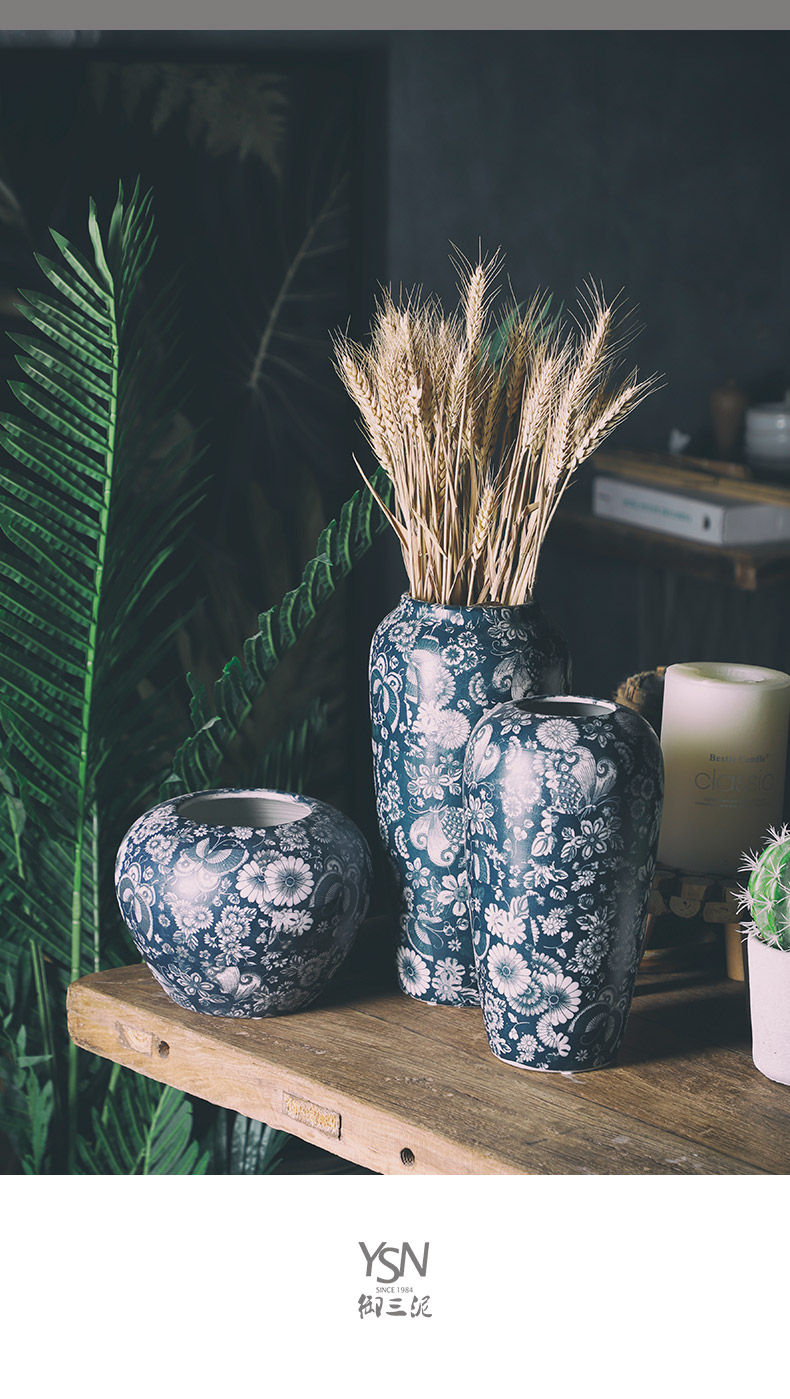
737 758
734 782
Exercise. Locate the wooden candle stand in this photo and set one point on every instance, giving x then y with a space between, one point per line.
685 915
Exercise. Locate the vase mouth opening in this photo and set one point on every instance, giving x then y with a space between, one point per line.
470 606
566 706
257 809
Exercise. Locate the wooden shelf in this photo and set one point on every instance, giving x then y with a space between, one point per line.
746 568
402 1088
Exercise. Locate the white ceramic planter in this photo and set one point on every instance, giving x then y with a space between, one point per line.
769 997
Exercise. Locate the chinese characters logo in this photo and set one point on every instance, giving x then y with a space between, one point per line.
390 1262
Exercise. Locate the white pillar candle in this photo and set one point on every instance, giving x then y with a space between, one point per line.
724 740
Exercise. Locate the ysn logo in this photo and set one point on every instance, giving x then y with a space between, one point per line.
396 1263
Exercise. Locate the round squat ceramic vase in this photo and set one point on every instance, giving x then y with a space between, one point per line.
243 903
769 1002
562 806
434 671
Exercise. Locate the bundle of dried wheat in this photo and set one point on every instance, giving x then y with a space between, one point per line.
480 427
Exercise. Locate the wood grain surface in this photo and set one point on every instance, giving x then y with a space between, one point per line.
401 1087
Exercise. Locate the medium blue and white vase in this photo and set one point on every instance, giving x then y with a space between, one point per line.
562 807
434 671
243 903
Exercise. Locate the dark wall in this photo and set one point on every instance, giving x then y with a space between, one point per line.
265 164
653 161
656 162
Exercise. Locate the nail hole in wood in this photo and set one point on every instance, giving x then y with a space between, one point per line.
164 1049
407 1156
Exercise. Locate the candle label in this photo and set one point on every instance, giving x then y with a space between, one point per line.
720 784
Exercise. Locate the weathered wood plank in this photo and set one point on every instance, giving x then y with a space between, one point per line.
383 1075
685 1068
253 1066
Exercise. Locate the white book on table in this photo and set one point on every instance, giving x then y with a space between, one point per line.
689 515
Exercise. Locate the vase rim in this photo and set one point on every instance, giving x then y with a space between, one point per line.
260 808
572 706
471 606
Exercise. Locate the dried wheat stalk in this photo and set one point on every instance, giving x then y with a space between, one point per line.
481 432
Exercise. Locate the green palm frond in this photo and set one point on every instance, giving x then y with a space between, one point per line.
287 763
242 1146
145 1128
83 573
94 495
317 241
543 324
255 1147
340 545
27 1088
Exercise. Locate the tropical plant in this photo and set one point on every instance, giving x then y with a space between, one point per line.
217 719
480 443
231 108
143 1129
87 565
28 1098
766 898
243 1146
279 176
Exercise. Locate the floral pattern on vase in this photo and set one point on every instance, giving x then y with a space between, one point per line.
434 671
243 919
563 805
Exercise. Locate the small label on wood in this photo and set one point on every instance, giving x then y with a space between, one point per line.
323 1119
142 1041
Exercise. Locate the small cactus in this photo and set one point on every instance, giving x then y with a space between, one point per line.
767 897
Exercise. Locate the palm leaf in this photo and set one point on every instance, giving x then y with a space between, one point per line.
231 109
255 1148
88 559
286 764
311 246
145 1128
340 545
28 1084
240 1145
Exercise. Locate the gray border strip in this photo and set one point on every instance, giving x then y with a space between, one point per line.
32 17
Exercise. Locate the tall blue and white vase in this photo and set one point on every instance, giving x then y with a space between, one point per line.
434 671
562 807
